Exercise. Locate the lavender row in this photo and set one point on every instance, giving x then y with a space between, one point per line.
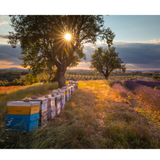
118 87
150 83
147 94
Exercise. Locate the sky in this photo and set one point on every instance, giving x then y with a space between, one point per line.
137 41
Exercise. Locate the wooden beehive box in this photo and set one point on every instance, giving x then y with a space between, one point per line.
22 123
62 92
58 103
22 108
51 108
43 109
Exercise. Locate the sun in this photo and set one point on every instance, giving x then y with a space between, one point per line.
68 36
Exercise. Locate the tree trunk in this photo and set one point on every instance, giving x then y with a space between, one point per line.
106 76
61 78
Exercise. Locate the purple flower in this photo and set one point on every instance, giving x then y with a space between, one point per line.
147 94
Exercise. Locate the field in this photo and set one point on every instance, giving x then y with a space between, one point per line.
9 89
83 77
100 114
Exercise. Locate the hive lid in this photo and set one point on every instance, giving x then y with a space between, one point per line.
62 91
41 99
21 103
54 91
58 96
50 97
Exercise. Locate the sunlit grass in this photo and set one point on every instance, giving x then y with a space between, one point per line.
9 89
96 116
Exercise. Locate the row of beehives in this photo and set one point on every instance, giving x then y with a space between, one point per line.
29 113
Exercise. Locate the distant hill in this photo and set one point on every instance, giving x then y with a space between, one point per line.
14 68
78 70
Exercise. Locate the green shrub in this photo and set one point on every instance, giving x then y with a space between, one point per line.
155 78
28 79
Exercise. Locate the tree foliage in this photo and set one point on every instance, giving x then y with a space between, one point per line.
42 39
107 60
30 79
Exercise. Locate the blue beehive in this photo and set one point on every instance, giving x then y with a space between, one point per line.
43 108
24 123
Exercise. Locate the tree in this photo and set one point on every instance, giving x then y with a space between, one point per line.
106 60
28 79
41 38
15 81
45 77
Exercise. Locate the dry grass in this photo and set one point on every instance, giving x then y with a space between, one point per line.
9 89
95 117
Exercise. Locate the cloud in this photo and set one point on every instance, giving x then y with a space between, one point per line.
81 65
2 23
4 36
9 54
135 55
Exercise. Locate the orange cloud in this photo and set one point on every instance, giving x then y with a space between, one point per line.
81 65
1 23
7 64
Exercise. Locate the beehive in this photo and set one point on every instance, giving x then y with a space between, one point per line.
71 82
72 89
76 83
69 87
58 103
62 92
51 108
22 108
24 123
43 109
55 91
22 116
66 93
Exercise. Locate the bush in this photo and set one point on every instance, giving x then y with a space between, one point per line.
37 79
2 83
155 78
15 82
29 79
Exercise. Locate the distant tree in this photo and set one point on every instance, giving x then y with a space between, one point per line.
132 74
155 78
28 79
16 81
45 77
36 78
106 60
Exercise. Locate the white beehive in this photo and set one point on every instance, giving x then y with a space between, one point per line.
57 102
51 107
62 92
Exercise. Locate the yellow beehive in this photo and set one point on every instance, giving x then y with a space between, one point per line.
22 108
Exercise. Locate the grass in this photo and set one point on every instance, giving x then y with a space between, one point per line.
95 117
38 90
